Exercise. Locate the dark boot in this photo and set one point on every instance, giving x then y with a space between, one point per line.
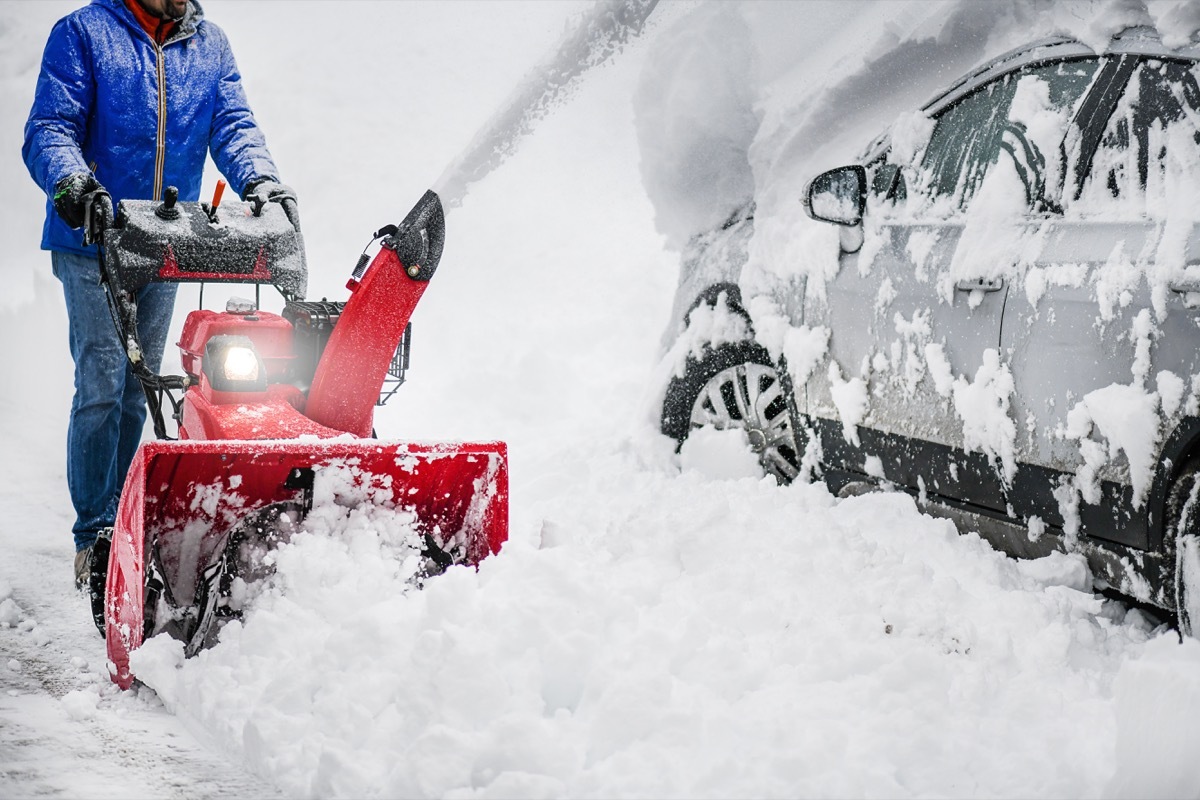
83 565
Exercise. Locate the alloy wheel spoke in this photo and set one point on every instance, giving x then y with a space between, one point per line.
742 396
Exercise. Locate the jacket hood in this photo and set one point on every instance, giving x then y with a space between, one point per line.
186 27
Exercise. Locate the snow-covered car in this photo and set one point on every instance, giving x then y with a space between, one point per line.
1003 319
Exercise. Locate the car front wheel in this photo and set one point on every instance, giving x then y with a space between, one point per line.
1183 536
736 385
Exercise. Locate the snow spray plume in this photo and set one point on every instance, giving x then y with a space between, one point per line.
600 35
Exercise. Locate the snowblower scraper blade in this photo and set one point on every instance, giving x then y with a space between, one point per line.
182 500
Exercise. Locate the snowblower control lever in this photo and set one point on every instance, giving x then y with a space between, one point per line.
167 210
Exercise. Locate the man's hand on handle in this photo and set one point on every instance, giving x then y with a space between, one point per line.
268 190
83 203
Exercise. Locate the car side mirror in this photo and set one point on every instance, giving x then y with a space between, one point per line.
838 196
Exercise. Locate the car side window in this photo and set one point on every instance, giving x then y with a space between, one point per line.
886 181
1151 143
1023 114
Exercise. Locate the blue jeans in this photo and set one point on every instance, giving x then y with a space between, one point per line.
109 408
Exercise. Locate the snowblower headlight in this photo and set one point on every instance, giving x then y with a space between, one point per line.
233 365
241 364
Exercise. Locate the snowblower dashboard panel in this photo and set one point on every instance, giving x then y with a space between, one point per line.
189 242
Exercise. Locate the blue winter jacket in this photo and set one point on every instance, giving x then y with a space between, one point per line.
140 116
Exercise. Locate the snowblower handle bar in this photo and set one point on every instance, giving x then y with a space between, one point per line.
97 216
179 241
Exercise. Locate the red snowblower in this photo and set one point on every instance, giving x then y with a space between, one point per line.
267 404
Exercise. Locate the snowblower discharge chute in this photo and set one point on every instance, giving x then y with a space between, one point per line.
268 405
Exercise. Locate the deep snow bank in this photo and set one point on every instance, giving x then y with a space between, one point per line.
700 638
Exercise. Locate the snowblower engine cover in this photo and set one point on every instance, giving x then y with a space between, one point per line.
190 245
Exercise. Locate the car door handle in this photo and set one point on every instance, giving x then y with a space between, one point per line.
1188 282
980 285
1189 288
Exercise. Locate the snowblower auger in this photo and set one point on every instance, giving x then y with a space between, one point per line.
270 405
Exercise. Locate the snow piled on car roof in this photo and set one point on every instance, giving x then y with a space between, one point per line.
749 100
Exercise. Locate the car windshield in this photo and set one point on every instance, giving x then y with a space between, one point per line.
1148 160
1022 116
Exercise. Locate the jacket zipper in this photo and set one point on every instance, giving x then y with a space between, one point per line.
160 155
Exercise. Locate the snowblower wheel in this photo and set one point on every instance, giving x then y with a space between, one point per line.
98 576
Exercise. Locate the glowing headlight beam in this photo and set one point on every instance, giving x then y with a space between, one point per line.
241 364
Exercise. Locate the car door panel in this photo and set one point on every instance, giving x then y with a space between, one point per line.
1102 347
916 314
884 316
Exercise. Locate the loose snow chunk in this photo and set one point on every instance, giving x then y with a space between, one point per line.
996 238
802 346
1038 279
918 326
1170 392
719 454
708 326
804 349
850 397
10 612
1057 569
983 404
81 703
939 369
1115 279
910 134
1142 334
1127 417
873 466
1043 122
920 249
771 324
884 297
1177 22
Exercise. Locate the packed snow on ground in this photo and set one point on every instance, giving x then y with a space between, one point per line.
659 624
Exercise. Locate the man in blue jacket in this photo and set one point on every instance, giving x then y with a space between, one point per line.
132 94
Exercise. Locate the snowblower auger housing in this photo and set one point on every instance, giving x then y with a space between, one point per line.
261 419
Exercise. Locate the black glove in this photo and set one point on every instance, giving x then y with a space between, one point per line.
261 191
72 195
83 203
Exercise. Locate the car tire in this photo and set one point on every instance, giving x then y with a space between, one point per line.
736 385
1183 541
